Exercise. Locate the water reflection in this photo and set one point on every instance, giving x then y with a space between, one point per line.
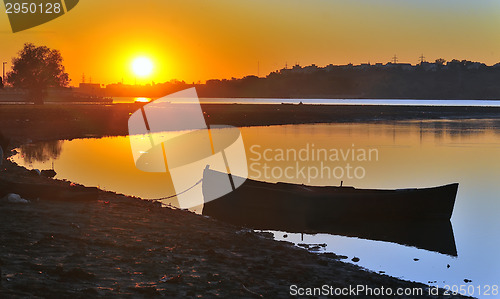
142 100
434 236
406 152
41 152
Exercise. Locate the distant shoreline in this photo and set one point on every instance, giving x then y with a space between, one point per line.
21 123
290 101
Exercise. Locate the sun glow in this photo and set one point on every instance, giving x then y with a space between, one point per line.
142 66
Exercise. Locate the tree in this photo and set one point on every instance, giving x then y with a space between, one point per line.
36 69
440 61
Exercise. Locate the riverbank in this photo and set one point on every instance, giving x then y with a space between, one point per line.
119 246
115 246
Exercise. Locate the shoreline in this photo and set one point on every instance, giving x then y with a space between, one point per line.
29 123
121 246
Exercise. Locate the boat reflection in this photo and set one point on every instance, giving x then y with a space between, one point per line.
429 235
434 236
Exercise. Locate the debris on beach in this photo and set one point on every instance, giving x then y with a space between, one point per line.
267 235
244 231
251 292
171 279
334 256
14 198
312 247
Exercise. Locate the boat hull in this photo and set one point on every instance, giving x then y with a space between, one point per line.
257 202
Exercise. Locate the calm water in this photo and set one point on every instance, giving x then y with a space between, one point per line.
404 154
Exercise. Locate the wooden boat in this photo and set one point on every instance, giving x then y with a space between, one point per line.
416 217
262 201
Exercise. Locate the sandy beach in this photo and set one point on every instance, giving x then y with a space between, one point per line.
117 246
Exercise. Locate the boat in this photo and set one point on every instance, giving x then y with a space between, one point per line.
257 201
418 217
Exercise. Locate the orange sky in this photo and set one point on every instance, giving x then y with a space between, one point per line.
198 40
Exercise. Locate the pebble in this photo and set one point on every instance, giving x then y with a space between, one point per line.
14 198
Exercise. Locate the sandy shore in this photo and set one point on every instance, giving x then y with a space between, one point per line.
119 246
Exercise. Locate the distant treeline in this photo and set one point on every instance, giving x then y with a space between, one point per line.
438 80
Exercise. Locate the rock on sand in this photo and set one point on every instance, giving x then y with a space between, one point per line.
14 198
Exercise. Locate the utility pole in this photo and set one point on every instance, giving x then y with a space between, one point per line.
422 58
395 59
3 65
258 68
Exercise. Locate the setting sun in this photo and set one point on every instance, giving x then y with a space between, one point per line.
142 66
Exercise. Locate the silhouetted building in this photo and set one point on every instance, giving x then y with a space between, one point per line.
91 89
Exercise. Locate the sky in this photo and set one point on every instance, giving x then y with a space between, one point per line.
198 40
